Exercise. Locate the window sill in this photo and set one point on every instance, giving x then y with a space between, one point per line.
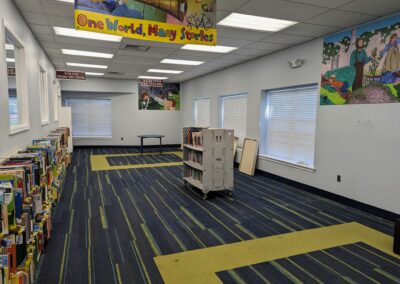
18 129
92 137
43 123
283 162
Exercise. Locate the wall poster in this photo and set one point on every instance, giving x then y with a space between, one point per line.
362 66
158 95
173 21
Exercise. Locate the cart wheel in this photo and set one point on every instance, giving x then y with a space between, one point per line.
230 193
185 183
205 196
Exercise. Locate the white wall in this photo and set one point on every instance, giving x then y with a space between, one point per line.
359 142
127 120
34 56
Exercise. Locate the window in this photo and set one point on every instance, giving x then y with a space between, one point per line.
202 112
56 99
288 125
234 115
44 95
91 118
17 83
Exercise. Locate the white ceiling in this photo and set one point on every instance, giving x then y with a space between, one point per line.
316 18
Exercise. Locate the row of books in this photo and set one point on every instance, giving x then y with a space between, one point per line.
193 138
195 157
194 174
30 182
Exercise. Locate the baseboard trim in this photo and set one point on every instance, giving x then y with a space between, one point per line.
388 215
128 146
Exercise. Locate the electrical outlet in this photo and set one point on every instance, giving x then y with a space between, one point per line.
122 138
339 178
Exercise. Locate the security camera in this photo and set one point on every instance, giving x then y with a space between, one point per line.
296 63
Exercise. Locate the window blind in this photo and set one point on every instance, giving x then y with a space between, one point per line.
234 115
290 116
91 118
202 112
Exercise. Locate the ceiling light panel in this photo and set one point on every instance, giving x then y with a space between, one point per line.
249 22
85 34
86 53
164 71
206 48
67 1
181 62
153 78
94 74
9 46
86 65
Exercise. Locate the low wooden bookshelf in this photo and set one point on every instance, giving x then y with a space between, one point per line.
208 159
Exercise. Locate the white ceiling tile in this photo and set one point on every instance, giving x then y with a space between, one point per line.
286 39
127 68
41 29
373 7
342 19
86 42
240 34
137 60
226 41
266 46
222 15
141 53
311 30
35 18
58 21
58 9
230 5
281 9
323 3
29 5
86 60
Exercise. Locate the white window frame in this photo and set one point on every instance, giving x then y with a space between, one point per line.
263 130
222 110
44 95
20 77
56 99
195 115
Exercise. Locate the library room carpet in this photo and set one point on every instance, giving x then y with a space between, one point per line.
121 226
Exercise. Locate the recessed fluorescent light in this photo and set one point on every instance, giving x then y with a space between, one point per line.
85 34
181 62
207 48
10 59
153 78
87 65
250 22
9 46
164 71
86 53
94 74
67 1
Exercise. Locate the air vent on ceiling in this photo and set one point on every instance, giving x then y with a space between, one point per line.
135 47
115 73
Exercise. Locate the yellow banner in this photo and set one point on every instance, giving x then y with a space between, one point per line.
143 29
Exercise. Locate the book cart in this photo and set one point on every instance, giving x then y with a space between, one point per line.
208 159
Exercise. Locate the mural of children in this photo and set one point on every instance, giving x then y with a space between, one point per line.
358 59
391 64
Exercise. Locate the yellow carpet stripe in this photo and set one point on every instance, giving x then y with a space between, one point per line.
103 217
309 274
283 225
359 256
135 205
387 275
193 218
60 279
71 221
151 240
293 212
264 280
246 231
286 272
380 256
331 217
89 251
139 256
349 266
89 209
330 269
118 273
200 266
236 277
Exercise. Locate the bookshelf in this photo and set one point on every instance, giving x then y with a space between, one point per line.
208 159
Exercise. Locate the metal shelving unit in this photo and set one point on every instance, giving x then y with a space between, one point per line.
208 159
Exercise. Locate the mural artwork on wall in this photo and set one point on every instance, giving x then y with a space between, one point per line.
362 66
158 95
